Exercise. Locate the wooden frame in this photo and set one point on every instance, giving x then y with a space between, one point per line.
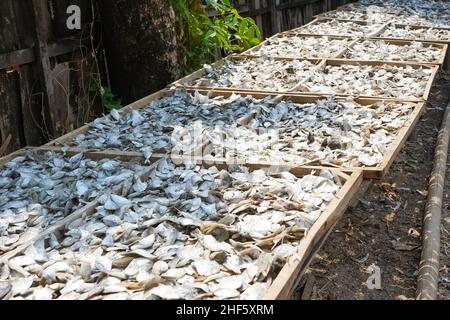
376 172
442 46
293 269
336 62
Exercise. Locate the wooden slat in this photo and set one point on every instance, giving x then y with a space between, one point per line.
26 56
43 32
16 58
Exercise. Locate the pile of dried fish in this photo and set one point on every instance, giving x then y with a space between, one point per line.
171 123
370 80
38 190
382 50
345 15
338 132
406 32
414 12
376 14
339 28
186 233
262 73
292 46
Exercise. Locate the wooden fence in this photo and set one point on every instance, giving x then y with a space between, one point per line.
49 75
47 71
273 16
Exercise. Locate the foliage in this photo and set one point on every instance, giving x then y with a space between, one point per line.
203 38
109 99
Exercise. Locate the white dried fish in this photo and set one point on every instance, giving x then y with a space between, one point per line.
171 122
341 132
256 73
383 50
41 189
368 80
292 46
413 33
334 27
165 254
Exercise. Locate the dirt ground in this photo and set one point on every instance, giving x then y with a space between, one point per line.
384 228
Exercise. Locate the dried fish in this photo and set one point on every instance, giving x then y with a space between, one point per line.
370 80
414 12
40 189
173 258
175 122
341 132
334 27
415 33
383 50
256 73
292 46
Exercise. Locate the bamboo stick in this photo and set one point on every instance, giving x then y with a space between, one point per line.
427 284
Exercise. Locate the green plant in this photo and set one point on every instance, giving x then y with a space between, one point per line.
203 38
108 98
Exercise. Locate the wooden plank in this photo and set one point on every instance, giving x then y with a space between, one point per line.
10 104
31 107
289 276
26 56
5 145
16 58
43 32
273 16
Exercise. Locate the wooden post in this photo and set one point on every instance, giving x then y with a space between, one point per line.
273 16
43 31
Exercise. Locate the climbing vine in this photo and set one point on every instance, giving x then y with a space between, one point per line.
204 38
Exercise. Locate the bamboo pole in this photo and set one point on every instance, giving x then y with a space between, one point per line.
427 284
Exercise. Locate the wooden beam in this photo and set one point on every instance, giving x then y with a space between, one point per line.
16 58
273 16
26 56
43 31
295 4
